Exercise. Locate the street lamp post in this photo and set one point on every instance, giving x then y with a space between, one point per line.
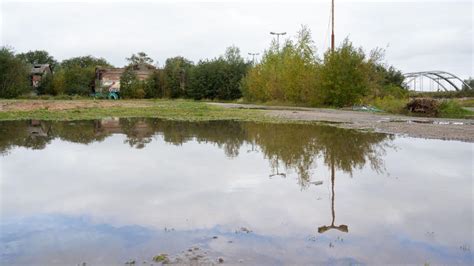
253 57
278 37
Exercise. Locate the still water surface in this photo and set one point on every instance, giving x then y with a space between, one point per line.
114 191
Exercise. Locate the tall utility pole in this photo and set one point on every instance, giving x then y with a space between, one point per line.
278 37
332 33
253 57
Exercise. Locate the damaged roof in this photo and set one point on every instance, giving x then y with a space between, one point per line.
39 68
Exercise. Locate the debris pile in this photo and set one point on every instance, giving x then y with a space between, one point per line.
424 106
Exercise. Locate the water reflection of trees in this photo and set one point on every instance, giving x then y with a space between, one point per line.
294 147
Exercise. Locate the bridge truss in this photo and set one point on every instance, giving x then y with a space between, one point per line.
445 80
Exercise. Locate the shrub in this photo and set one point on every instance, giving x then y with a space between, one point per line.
131 86
344 76
154 85
14 75
391 104
176 72
219 78
79 74
452 109
289 74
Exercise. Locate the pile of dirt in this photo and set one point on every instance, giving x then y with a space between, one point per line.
425 106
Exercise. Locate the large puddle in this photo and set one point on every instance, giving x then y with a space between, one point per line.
119 191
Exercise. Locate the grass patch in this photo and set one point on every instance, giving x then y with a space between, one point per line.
452 109
391 104
466 102
166 109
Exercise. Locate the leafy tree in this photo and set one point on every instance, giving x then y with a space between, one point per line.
289 74
219 78
84 62
131 86
177 71
79 73
14 74
154 85
470 82
38 57
344 75
46 85
140 58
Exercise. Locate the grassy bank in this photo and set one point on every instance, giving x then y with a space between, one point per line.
448 108
96 109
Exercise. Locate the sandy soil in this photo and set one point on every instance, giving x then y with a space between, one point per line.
435 128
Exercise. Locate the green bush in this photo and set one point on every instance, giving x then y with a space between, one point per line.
79 74
219 78
154 85
14 75
452 109
391 104
288 74
130 86
344 76
176 73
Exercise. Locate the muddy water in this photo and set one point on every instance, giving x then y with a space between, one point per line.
118 191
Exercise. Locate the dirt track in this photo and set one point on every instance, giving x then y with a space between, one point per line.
434 128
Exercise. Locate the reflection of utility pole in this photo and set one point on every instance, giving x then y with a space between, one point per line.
253 57
278 38
283 175
342 227
332 33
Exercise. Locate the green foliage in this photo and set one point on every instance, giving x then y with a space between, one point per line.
84 62
177 71
14 75
155 85
470 82
46 85
79 74
344 75
452 109
219 78
391 104
286 75
38 57
131 86
140 58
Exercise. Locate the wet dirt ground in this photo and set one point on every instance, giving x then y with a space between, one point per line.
424 127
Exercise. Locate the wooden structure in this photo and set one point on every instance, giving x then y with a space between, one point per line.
109 77
38 72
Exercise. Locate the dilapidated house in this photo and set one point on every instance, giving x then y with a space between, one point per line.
38 72
109 78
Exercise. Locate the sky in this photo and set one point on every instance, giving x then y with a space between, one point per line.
417 35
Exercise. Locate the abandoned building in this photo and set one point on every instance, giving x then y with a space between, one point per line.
38 72
109 78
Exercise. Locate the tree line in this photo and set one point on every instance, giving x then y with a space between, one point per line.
292 73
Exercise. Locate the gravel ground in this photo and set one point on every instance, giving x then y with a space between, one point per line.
433 128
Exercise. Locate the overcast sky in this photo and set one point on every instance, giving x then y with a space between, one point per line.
418 35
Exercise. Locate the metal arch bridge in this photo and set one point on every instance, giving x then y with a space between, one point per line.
438 77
